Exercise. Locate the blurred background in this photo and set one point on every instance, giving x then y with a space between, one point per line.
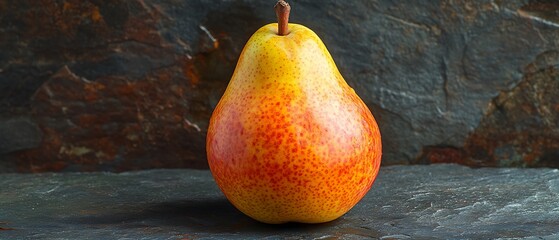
117 85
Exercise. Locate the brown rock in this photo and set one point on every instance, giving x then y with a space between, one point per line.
521 126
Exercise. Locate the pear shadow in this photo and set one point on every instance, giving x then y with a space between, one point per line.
198 215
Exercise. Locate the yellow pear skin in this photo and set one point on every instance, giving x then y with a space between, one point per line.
290 140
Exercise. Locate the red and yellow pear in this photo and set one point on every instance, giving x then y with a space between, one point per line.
290 140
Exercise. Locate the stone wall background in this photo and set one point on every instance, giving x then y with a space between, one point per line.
121 85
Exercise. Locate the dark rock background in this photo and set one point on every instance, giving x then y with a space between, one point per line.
121 85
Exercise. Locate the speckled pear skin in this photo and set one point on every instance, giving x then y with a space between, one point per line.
290 141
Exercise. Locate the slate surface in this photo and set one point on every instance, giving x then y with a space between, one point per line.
406 202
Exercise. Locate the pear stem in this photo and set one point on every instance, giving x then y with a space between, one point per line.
282 12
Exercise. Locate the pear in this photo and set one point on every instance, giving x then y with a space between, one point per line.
290 140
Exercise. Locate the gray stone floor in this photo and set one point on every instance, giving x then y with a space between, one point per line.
406 202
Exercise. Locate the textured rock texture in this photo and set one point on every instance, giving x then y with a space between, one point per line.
19 134
406 202
113 85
